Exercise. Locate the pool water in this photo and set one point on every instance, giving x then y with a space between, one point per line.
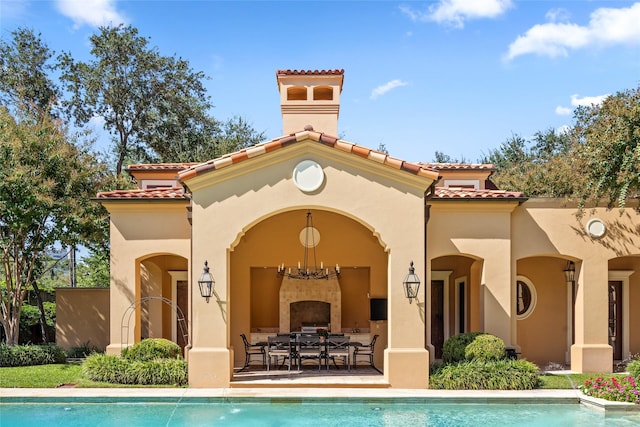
305 414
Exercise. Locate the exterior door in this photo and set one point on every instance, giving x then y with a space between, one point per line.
182 298
615 318
437 316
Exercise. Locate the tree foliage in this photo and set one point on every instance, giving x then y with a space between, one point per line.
540 167
608 137
155 107
597 159
24 72
46 186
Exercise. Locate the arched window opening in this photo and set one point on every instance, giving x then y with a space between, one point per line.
297 93
323 93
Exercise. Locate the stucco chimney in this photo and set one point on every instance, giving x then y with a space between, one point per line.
310 98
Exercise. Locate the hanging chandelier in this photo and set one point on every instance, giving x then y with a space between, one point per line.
307 270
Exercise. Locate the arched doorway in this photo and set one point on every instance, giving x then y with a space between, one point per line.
255 284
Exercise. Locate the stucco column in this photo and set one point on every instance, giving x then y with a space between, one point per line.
406 361
496 288
210 359
124 290
591 351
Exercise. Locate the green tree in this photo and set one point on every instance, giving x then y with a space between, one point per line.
154 107
608 137
46 187
24 72
540 167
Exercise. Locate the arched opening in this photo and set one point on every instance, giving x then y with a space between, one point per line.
323 93
255 286
161 278
297 93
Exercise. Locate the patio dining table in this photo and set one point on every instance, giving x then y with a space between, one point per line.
302 346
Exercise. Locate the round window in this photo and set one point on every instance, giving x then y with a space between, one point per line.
525 297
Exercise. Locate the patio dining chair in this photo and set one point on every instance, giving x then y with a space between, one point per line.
311 347
280 346
367 351
252 350
338 347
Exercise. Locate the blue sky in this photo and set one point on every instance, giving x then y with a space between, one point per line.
456 76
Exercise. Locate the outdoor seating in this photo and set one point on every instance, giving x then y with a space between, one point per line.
280 346
338 347
366 351
252 350
310 346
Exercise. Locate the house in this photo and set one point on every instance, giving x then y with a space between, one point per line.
556 288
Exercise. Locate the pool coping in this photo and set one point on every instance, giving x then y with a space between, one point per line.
298 395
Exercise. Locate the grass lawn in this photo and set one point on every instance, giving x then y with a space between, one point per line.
50 376
569 381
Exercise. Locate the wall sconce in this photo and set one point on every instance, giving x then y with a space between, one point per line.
206 283
411 284
570 272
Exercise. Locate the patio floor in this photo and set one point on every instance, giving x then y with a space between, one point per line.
309 376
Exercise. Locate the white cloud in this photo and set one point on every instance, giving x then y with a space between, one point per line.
576 101
91 12
588 100
606 26
557 15
562 130
456 12
382 89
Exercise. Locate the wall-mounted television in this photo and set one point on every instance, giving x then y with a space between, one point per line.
378 309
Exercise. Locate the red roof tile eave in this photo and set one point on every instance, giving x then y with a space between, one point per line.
317 137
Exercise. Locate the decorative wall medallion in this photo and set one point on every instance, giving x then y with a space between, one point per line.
308 176
596 228
309 237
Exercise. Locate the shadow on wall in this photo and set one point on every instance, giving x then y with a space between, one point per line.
622 235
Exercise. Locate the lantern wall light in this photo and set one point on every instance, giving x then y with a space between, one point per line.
411 284
206 283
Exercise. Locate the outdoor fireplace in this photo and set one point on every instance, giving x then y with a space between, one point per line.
309 303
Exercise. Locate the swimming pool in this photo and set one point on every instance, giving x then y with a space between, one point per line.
288 412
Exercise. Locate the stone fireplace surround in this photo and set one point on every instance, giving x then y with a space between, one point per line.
301 290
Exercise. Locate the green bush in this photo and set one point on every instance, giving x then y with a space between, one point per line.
491 375
83 350
485 348
117 370
634 369
29 355
105 368
454 348
152 348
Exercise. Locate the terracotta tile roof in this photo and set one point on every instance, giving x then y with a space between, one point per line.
310 72
160 166
449 193
160 193
321 138
461 166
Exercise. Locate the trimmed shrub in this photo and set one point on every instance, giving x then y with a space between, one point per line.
152 348
454 348
83 351
117 370
29 355
485 348
492 375
634 369
105 368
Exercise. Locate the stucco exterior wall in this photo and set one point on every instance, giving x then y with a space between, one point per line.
392 209
140 231
82 317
